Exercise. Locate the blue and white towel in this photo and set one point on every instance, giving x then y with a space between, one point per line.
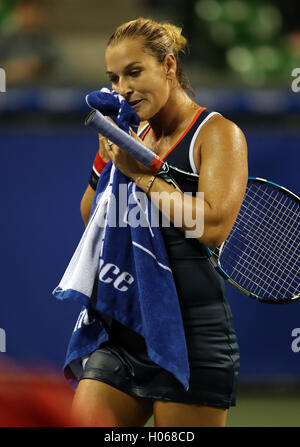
126 255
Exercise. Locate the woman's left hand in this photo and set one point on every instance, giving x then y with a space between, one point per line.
125 162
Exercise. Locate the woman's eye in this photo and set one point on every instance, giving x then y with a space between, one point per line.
113 79
135 73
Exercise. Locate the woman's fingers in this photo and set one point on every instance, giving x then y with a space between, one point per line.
102 150
135 136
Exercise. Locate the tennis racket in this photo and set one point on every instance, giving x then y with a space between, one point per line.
261 255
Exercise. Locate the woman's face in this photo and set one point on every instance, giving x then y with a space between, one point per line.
138 76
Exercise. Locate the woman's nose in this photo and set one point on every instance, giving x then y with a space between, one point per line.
124 88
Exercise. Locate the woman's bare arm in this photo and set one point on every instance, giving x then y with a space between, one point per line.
86 204
223 175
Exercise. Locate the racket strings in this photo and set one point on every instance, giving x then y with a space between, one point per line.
275 235
266 282
255 231
262 251
277 260
255 270
276 230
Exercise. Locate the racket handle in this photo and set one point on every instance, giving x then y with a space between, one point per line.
126 142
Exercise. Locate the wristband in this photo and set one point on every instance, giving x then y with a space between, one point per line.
98 166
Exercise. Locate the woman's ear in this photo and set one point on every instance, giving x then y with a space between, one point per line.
170 66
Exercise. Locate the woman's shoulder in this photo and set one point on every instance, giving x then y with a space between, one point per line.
217 124
219 133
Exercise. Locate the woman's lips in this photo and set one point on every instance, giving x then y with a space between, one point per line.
135 103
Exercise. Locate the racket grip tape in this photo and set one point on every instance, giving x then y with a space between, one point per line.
126 142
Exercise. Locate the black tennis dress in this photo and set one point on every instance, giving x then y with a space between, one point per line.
211 340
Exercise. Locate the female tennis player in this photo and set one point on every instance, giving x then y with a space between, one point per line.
142 61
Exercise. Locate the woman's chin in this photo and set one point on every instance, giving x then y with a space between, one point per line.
142 116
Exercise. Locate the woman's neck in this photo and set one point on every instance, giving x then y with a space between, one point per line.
174 116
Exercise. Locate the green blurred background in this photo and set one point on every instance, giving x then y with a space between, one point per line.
235 42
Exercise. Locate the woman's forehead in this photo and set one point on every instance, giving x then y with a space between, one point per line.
125 52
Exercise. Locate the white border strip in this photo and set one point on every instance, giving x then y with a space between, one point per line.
140 133
191 150
96 172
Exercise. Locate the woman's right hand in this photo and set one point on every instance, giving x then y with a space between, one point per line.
102 152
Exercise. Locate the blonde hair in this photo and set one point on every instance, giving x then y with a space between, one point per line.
159 38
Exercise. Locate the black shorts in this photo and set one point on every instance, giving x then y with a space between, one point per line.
133 372
211 340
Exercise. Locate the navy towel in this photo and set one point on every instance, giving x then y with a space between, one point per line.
123 250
